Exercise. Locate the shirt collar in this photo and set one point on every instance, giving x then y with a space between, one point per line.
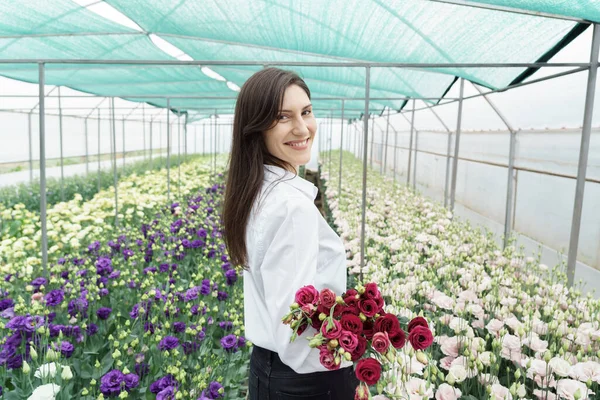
274 173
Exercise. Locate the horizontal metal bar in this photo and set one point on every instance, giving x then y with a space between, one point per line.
60 34
513 10
138 97
494 164
293 63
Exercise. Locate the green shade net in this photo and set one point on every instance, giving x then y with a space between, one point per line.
584 9
272 31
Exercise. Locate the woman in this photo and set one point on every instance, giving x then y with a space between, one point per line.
274 230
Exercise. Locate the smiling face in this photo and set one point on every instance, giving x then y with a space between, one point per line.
292 136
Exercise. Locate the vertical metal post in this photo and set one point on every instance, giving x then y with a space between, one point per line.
150 152
123 134
395 153
169 149
210 137
457 145
372 140
178 154
185 137
387 132
416 154
215 159
60 133
412 128
364 183
583 156
114 153
30 148
144 129
87 161
99 152
42 106
341 152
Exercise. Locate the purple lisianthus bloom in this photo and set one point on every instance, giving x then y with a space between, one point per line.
32 323
201 233
37 282
222 296
131 381
103 266
149 269
231 276
103 292
142 369
16 323
168 343
226 266
163 267
131 284
226 325
216 390
186 243
229 343
127 253
190 347
241 341
79 305
54 297
195 309
92 329
15 362
114 275
179 327
66 349
103 312
191 294
211 254
94 247
61 261
163 383
166 394
135 311
6 303
110 384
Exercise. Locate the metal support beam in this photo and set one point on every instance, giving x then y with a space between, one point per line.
179 154
341 152
372 142
114 154
203 139
99 153
510 186
30 148
457 146
62 164
395 153
387 132
42 106
150 152
169 149
144 129
412 130
583 156
87 156
364 183
416 151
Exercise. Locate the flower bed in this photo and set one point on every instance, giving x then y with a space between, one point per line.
506 326
151 311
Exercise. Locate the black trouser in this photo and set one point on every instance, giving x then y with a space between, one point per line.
271 379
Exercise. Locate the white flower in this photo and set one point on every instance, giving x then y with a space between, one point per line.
45 392
560 366
458 373
447 392
567 388
500 392
585 371
46 371
66 374
416 389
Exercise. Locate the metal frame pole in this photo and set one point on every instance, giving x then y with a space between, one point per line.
395 153
215 142
210 136
99 152
387 132
583 156
123 135
364 183
185 138
30 148
511 163
60 133
341 152
178 154
412 129
416 154
372 141
42 107
457 145
168 149
144 130
114 154
87 161
150 152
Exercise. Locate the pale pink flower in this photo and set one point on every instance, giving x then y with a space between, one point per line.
494 326
537 368
478 323
566 388
446 362
560 366
442 300
544 395
535 343
513 323
500 392
416 389
511 348
462 360
451 346
487 379
447 392
468 296
585 371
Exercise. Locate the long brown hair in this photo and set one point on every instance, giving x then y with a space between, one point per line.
258 105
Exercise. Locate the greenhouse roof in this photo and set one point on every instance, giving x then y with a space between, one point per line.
278 31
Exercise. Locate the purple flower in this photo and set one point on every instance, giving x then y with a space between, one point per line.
114 274
226 325
142 369
103 312
79 305
37 282
222 296
135 311
110 384
103 266
94 247
131 381
168 343
201 233
66 349
103 292
92 329
32 323
229 343
17 323
231 276
163 383
166 394
54 297
179 327
15 362
61 261
215 389
127 253
6 303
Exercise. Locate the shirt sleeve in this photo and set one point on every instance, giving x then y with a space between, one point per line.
291 246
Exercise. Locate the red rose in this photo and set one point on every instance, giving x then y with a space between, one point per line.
387 323
307 295
368 307
322 309
308 309
332 332
418 321
368 370
380 304
351 323
380 342
327 298
360 348
350 297
315 321
368 329
327 359
397 338
350 293
348 341
371 291
420 338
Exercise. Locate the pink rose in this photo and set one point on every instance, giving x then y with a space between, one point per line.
307 295
334 331
348 341
327 298
381 342
327 359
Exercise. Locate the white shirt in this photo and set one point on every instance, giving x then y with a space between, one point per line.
289 245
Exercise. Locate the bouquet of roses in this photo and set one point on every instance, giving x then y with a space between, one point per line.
354 327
